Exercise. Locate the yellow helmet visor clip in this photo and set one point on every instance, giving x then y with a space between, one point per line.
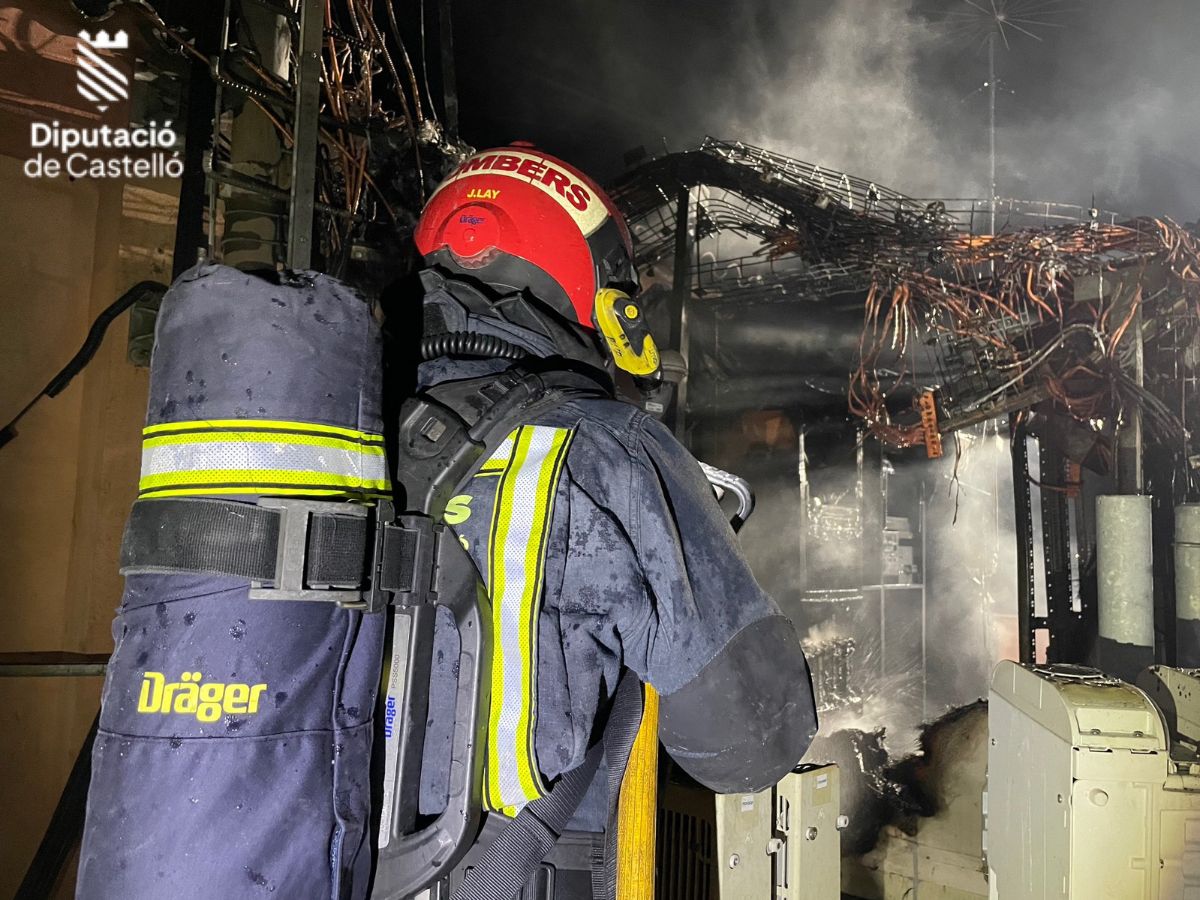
620 319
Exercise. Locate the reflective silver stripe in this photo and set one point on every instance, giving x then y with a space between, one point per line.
521 519
294 457
272 456
504 451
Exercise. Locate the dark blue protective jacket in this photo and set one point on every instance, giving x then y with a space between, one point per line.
642 571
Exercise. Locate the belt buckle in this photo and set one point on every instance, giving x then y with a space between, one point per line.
291 555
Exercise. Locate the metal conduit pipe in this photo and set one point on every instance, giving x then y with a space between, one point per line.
1125 585
1187 584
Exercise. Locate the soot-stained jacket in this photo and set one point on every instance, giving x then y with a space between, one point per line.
641 570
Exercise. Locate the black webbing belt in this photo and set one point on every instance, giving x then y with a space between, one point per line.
515 854
337 552
517 851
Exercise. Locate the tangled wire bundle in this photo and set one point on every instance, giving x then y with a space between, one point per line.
1012 297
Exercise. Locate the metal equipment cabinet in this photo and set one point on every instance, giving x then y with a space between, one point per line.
1084 800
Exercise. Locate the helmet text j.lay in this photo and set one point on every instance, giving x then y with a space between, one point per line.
207 702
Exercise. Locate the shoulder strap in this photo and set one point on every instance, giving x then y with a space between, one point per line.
450 428
515 854
445 434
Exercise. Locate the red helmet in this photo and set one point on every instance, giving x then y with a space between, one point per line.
519 218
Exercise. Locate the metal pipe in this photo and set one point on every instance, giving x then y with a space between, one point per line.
802 472
190 237
1130 445
1187 584
1125 584
449 75
93 670
53 663
681 289
1023 512
992 134
924 614
304 135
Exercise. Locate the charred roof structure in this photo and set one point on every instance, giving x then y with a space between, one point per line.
847 306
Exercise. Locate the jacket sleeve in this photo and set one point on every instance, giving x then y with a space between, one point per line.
737 710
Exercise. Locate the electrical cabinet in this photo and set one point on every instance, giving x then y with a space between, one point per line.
1086 799
779 844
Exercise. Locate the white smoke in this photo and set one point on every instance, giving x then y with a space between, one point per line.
848 97
969 570
1101 106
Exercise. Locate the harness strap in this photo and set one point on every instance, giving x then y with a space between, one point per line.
619 734
201 536
514 856
510 860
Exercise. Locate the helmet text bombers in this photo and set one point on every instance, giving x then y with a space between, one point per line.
519 218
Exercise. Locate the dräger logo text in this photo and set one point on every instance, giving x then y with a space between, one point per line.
206 701
389 717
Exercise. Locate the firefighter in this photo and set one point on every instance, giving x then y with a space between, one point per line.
238 728
599 541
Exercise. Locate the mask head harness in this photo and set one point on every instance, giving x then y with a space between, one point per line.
550 245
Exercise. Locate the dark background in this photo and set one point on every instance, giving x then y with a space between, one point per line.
1107 103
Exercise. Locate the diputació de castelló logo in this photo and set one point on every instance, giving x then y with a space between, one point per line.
103 151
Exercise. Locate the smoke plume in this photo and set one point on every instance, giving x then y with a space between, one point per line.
1100 103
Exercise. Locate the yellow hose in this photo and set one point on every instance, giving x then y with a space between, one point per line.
637 809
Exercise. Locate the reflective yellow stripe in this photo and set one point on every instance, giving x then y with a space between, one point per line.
258 476
275 490
520 527
263 437
261 424
248 456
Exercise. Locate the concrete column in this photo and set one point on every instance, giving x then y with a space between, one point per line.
1125 590
1187 584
